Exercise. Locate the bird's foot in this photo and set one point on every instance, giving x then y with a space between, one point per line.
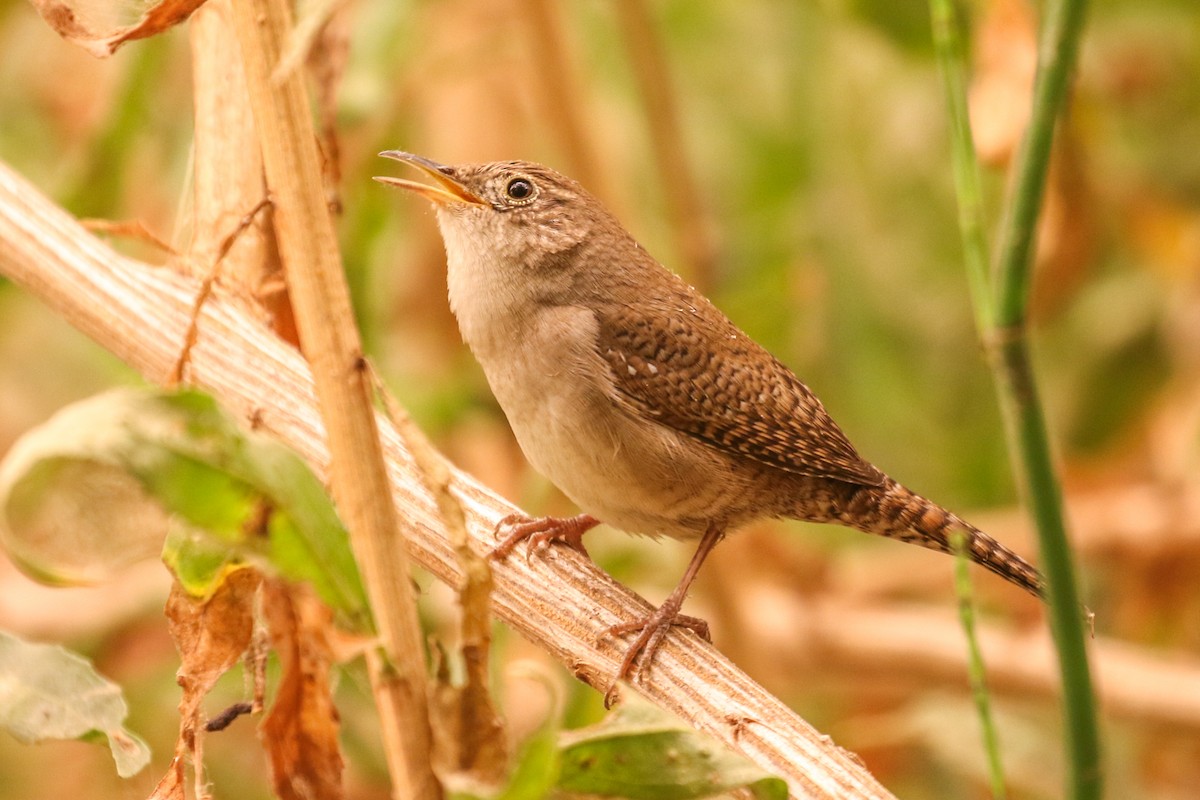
541 531
651 631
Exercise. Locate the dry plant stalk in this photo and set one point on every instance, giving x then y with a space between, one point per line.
469 732
562 602
564 113
321 303
693 232
227 178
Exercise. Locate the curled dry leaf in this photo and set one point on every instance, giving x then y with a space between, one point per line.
211 636
171 785
74 22
300 732
465 720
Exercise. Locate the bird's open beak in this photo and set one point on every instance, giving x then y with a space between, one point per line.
449 191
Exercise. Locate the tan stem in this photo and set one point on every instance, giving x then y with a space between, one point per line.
689 221
564 113
321 303
561 602
228 175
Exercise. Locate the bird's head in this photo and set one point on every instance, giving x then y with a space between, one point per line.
521 211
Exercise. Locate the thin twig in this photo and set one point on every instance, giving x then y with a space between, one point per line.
480 745
975 668
967 183
129 228
206 287
951 63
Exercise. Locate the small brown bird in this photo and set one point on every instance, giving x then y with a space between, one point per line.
639 399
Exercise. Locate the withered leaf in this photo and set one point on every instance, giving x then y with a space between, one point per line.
171 785
300 731
211 637
69 20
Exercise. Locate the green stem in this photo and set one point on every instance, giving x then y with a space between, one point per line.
975 669
1062 26
1002 328
952 64
1026 428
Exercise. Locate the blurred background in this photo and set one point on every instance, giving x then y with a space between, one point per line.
791 160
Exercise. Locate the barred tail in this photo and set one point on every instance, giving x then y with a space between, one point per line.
893 511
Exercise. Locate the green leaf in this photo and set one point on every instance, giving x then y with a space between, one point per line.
533 775
199 561
537 768
642 753
48 692
103 482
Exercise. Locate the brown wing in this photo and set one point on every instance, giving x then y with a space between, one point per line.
684 364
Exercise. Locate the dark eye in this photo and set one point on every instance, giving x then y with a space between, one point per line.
519 189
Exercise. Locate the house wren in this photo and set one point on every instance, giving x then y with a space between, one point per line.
639 399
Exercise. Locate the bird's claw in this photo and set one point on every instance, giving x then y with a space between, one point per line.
651 631
541 532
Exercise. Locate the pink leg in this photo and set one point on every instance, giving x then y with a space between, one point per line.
542 531
653 628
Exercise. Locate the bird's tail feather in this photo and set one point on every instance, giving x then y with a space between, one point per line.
894 511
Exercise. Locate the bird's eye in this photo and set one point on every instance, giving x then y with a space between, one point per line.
519 189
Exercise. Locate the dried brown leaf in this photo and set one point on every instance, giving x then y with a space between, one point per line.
482 744
300 732
211 636
171 785
68 21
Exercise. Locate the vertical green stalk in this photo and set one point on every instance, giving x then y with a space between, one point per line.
1008 343
951 64
1062 26
975 670
1026 428
1002 325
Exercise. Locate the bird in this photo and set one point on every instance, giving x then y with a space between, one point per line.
639 399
